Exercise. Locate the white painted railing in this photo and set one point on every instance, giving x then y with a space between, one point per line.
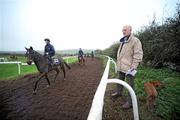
20 63
98 101
14 62
2 59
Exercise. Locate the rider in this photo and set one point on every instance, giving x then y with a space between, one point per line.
80 54
49 51
92 55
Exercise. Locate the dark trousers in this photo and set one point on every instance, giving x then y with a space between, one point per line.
50 60
130 81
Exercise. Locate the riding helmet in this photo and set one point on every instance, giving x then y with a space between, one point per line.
47 39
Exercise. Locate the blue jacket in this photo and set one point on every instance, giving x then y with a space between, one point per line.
80 53
49 49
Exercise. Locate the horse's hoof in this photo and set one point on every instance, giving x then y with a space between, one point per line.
47 85
34 92
64 78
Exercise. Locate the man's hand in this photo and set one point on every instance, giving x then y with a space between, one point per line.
132 69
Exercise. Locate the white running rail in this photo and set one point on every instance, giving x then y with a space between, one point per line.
20 63
2 59
14 62
98 101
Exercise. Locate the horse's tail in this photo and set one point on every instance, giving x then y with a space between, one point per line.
67 65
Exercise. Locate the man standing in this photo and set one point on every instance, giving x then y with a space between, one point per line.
92 55
129 56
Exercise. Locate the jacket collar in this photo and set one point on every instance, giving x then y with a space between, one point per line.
126 39
130 37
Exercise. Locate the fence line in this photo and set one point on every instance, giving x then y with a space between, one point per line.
2 59
133 96
19 63
98 100
14 62
67 58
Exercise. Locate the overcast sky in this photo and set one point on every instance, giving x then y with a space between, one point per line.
73 24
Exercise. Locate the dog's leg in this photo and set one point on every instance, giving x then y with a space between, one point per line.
148 102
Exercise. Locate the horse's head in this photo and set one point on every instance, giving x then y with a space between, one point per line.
30 55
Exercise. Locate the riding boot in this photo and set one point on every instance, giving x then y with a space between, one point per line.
50 61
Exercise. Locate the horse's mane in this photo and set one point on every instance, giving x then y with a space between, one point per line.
40 61
38 55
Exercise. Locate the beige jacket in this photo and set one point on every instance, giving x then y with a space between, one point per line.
131 54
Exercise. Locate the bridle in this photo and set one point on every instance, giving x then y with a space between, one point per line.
30 58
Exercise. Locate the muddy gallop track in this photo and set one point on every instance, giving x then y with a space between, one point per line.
68 99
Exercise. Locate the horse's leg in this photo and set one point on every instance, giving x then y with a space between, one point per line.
57 72
79 60
64 72
83 61
35 86
67 65
47 79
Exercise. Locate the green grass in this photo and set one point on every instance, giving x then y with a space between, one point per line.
10 71
21 58
71 60
168 99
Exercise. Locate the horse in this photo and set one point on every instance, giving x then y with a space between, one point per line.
43 66
81 60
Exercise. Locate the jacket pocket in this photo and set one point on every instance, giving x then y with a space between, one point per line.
126 62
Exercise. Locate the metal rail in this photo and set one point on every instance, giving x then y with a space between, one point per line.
98 101
14 62
20 63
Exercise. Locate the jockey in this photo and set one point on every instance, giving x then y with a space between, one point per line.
80 54
49 51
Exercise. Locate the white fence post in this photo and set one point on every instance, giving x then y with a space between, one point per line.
115 66
98 101
19 68
132 93
14 62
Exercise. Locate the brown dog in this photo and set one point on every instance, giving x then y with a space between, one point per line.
150 89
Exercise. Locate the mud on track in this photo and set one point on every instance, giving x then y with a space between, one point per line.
68 99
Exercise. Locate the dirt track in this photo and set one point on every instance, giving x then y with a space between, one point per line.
68 99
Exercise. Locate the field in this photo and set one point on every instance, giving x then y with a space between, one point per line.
9 71
68 99
167 103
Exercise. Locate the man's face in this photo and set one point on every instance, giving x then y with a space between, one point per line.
126 30
47 42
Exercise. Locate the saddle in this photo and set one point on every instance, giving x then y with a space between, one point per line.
55 60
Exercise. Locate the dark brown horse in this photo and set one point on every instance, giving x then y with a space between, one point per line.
43 65
81 60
